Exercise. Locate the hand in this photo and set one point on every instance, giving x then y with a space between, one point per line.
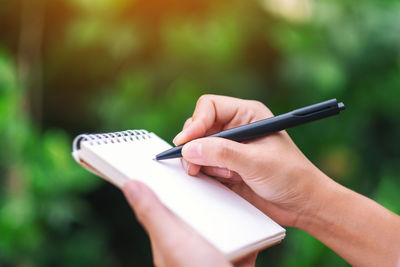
273 174
270 172
173 242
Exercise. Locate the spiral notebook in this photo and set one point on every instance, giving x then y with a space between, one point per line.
226 220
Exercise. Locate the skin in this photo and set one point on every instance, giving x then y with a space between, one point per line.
275 176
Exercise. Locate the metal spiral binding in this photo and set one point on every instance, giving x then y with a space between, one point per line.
110 138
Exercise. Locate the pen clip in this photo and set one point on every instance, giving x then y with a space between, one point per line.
330 105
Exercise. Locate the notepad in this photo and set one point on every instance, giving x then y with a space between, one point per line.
226 220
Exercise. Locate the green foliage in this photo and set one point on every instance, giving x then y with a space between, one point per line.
114 65
40 182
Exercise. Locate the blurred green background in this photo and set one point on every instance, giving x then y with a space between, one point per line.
73 66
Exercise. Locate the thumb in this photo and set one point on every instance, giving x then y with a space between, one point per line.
218 152
150 212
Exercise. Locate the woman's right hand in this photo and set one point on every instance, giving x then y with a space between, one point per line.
270 172
273 174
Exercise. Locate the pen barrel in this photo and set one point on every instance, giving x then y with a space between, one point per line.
274 124
270 125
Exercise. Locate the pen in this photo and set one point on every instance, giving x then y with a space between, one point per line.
271 125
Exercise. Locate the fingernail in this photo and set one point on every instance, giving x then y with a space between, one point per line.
223 172
192 150
189 169
132 191
185 165
178 138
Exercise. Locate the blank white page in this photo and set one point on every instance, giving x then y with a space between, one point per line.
225 219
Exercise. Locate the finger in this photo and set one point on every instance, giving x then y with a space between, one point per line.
214 109
173 242
216 128
193 169
150 212
187 123
219 152
190 168
218 172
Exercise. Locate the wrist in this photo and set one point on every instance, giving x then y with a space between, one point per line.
358 229
322 192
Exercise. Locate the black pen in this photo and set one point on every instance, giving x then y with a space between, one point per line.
270 125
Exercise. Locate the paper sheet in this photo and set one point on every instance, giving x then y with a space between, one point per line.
229 222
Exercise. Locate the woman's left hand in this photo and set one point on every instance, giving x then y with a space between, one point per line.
173 242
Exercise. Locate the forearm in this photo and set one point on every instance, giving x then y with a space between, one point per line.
358 229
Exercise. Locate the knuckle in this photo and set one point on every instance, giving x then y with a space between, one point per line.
259 107
187 123
204 98
188 120
224 152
